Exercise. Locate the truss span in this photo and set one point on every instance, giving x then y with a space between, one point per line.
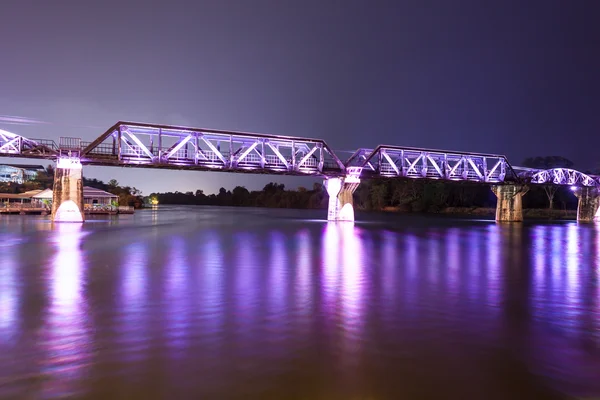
408 162
162 146
13 145
563 176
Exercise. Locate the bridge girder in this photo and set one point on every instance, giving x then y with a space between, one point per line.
409 162
563 177
174 147
13 145
165 146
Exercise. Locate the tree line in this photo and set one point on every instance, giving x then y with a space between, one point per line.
409 195
273 195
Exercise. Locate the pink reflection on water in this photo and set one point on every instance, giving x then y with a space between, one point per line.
135 274
474 264
8 295
177 295
67 338
411 271
133 294
389 264
247 290
432 268
574 268
353 272
331 265
303 281
278 266
211 266
343 281
452 260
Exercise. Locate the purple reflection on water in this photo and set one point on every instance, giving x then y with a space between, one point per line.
474 263
389 265
277 280
493 263
67 343
135 277
247 285
563 336
453 260
211 265
134 298
8 295
411 271
331 266
303 283
177 296
432 267
352 305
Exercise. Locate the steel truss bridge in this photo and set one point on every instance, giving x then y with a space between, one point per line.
129 144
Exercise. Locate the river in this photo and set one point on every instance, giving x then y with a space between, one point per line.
233 303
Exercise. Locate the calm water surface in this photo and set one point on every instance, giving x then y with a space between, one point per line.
217 303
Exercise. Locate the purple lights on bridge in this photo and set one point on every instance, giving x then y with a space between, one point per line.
174 147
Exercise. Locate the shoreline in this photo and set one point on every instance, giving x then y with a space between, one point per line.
478 212
528 213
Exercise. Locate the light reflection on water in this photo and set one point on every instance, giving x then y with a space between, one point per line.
159 305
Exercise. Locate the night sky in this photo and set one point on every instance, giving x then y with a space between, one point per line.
520 78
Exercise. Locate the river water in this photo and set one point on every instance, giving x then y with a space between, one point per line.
231 303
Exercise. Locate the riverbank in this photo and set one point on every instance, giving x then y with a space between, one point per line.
528 213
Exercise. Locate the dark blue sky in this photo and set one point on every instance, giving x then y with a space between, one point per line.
520 78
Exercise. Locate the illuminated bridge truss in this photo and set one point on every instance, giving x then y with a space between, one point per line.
406 162
146 145
562 176
161 146
12 145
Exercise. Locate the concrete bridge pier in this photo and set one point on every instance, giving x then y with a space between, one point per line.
509 207
588 207
341 204
67 197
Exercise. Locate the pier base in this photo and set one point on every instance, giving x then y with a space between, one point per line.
588 206
341 204
509 207
67 197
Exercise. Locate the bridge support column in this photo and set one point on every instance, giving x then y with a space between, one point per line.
67 196
341 204
589 203
509 207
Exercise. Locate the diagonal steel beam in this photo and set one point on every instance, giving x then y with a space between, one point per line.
213 149
307 156
491 172
475 168
9 144
411 166
139 143
246 152
278 154
437 168
178 146
389 160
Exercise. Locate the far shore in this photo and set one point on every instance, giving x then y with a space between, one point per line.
488 212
